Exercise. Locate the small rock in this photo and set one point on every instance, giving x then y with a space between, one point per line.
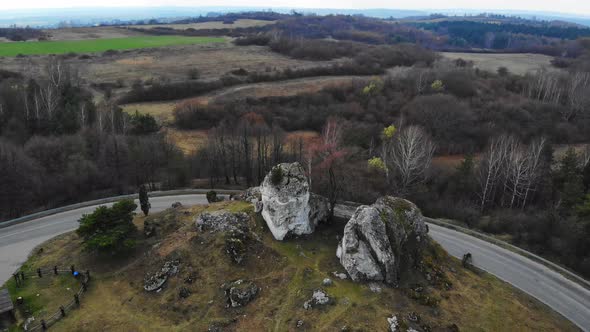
340 275
327 282
393 323
299 323
176 205
413 317
374 287
318 298
239 293
184 292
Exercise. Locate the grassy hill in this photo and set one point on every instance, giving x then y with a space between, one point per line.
287 273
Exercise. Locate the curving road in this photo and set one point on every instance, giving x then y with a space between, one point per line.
564 296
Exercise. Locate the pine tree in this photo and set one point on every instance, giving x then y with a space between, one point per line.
570 180
144 200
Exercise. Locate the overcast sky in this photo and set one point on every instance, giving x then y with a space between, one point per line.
581 7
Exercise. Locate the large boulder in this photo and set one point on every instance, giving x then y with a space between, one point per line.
382 239
288 207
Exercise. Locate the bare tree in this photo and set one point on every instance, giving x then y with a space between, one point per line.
411 154
490 168
535 161
578 90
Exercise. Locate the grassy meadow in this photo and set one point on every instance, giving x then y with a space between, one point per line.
99 45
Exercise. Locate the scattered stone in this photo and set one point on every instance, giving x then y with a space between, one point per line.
413 317
299 323
222 221
251 195
393 323
235 246
288 207
375 288
327 282
342 276
190 278
184 292
318 298
380 236
28 323
239 293
176 205
155 281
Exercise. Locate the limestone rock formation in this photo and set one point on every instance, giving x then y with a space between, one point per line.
288 207
381 239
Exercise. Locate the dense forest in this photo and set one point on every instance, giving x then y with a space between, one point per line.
466 34
21 34
58 146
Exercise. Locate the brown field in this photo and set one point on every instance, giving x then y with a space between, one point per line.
167 64
244 23
520 63
90 33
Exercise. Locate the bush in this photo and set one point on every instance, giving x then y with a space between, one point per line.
109 230
212 196
276 175
143 124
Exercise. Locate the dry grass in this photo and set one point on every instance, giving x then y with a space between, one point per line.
90 33
162 111
168 64
287 273
188 141
242 23
519 63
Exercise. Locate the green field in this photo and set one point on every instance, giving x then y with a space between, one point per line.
99 45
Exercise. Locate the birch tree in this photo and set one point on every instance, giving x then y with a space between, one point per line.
410 156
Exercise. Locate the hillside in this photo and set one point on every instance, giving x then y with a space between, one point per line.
287 274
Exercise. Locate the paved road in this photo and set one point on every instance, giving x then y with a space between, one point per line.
559 293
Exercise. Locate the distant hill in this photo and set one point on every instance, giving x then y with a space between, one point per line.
93 16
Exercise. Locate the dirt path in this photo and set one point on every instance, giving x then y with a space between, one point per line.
277 89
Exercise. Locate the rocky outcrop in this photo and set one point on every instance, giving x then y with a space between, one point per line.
382 239
239 293
288 207
235 229
221 221
156 280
